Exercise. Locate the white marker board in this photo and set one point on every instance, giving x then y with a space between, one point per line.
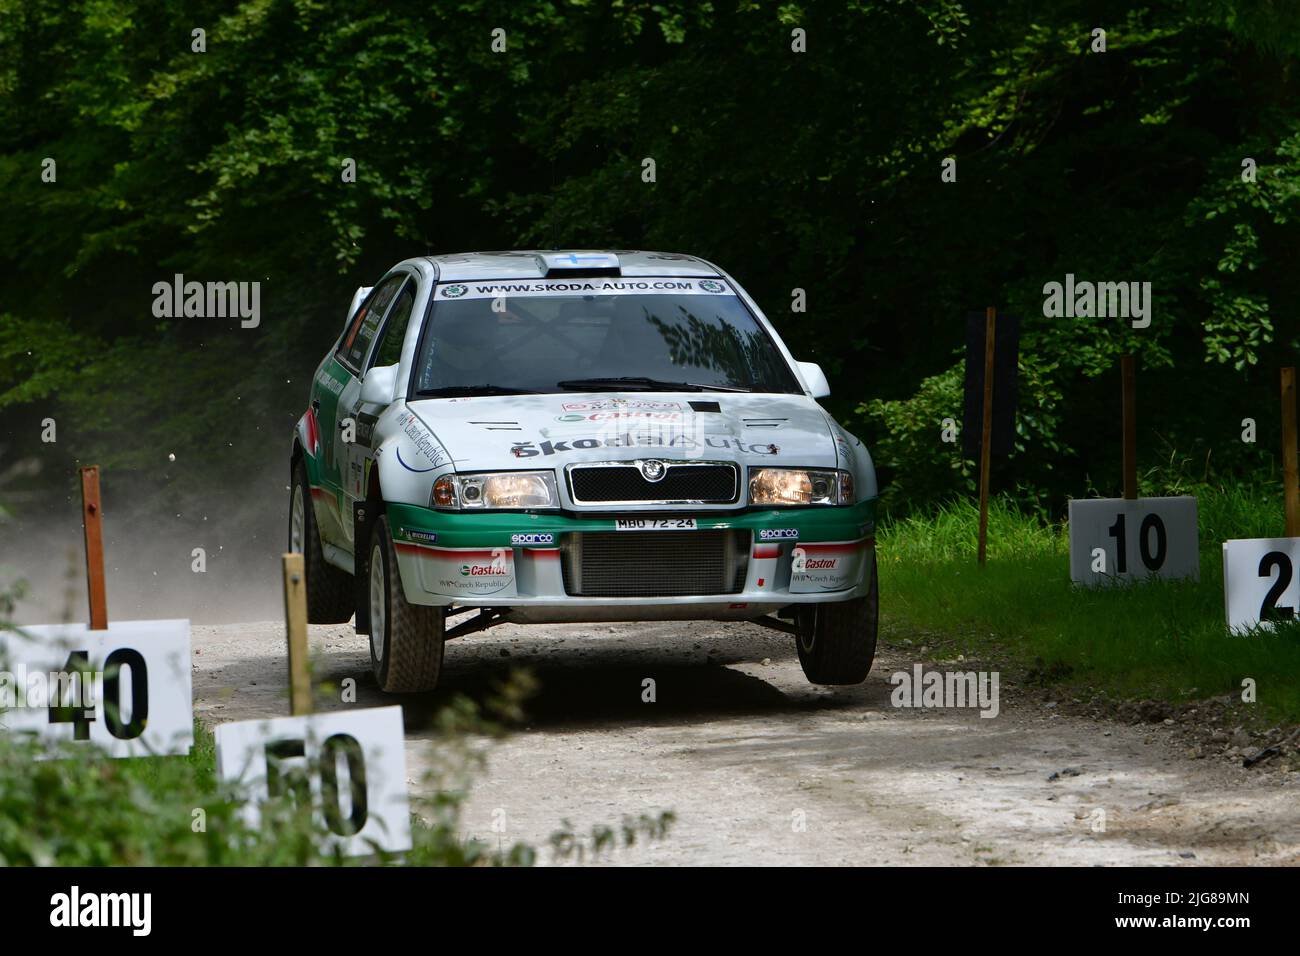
351 764
1260 581
1145 537
138 701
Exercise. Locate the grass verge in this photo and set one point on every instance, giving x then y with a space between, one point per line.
1163 640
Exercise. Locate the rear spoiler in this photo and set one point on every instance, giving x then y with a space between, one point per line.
357 298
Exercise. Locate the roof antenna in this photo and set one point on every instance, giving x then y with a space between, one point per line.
553 239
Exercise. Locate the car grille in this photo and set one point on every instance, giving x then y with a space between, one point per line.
654 563
711 483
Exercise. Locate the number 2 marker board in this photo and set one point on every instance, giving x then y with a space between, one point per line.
125 689
350 764
1138 538
1259 581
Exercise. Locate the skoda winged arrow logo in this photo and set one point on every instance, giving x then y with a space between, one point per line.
652 469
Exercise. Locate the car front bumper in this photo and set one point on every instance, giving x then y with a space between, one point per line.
563 567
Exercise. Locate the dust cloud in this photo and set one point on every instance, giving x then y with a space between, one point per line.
150 537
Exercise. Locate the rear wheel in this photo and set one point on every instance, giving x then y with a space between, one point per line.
406 640
329 591
837 641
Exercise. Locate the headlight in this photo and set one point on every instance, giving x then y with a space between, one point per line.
508 489
799 486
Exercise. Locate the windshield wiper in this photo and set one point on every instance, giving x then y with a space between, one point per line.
641 383
447 391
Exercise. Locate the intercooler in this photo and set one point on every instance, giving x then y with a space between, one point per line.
654 563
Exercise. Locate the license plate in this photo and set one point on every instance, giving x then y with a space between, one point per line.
654 524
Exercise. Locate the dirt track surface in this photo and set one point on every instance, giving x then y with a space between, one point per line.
741 748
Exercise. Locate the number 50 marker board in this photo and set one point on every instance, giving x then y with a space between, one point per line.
350 765
125 689
1117 539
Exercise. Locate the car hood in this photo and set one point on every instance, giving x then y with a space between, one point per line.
521 431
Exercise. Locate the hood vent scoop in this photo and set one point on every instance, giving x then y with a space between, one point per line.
765 422
705 407
499 426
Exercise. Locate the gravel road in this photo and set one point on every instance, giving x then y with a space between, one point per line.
762 768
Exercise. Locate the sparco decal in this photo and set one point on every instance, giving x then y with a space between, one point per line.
536 537
777 534
532 449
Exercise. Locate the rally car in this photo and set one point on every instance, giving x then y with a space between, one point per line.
576 436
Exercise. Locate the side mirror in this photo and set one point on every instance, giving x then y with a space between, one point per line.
814 378
378 386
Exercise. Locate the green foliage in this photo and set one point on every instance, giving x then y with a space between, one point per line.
1154 639
950 534
922 468
817 171
88 810
84 809
1241 321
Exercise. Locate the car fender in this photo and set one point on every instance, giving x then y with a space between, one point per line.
307 440
854 457
408 456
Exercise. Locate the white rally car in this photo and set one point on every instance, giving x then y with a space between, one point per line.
570 437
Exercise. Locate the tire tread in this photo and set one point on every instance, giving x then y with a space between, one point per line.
330 591
844 643
413 658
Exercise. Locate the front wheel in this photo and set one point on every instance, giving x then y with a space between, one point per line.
406 640
837 641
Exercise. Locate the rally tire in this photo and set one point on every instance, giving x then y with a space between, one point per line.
406 640
331 597
837 641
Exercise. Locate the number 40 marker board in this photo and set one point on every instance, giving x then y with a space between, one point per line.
351 765
1259 581
125 689
1117 539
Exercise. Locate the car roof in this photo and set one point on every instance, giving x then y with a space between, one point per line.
538 263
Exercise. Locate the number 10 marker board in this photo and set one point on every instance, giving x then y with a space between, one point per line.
125 689
1118 539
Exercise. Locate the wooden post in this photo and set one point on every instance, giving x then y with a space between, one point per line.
295 619
1289 482
990 329
1129 385
92 517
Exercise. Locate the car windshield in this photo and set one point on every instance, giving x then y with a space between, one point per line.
595 335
